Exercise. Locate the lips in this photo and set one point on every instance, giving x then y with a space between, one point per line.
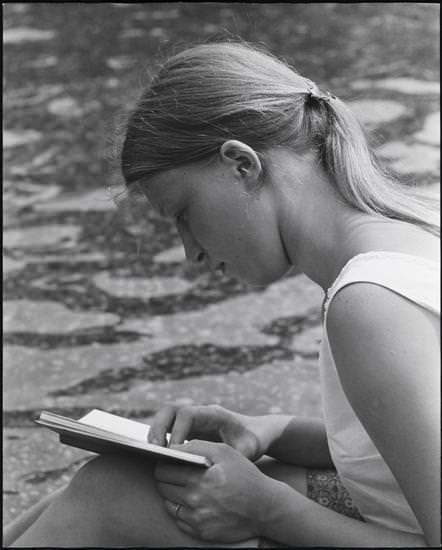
219 267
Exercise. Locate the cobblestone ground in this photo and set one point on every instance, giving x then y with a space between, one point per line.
99 308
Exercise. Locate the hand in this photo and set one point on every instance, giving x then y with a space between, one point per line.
226 502
210 422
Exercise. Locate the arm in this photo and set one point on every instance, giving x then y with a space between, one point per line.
294 440
295 520
233 501
387 352
298 440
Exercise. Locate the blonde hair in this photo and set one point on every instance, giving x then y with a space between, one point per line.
209 93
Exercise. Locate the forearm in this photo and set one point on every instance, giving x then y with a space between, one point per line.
298 440
295 520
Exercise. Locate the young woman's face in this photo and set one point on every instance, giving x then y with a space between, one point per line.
220 222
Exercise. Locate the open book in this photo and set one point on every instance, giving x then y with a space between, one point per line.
102 432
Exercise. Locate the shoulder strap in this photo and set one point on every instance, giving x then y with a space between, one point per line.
413 277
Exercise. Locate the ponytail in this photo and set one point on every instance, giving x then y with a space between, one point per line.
361 179
213 92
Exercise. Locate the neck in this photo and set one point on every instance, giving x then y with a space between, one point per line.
319 230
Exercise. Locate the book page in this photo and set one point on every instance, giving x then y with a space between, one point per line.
116 424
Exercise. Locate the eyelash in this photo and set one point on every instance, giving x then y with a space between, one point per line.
179 217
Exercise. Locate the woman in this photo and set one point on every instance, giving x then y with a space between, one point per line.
263 172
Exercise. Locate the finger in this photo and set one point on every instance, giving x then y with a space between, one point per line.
186 527
177 511
183 424
174 493
182 516
177 474
209 449
161 424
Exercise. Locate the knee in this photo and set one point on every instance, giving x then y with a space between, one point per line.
111 491
107 480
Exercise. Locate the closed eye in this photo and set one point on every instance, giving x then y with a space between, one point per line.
180 217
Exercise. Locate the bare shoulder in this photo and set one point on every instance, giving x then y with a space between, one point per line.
373 327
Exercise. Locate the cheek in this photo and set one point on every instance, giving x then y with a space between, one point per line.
217 228
260 257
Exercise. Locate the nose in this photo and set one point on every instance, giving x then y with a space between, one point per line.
194 252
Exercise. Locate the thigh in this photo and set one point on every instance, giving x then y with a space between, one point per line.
125 487
112 501
19 525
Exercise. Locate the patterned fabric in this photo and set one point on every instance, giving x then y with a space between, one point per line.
325 488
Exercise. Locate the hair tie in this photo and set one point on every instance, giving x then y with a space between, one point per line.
314 92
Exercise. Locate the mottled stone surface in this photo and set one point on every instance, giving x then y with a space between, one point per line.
172 255
18 195
132 33
137 288
98 200
307 342
31 374
43 62
373 112
65 107
18 35
92 257
30 96
411 158
10 266
430 133
14 138
50 318
41 236
120 62
236 321
402 85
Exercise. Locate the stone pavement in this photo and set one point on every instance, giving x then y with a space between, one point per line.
90 321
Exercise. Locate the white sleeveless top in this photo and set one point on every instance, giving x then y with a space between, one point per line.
362 469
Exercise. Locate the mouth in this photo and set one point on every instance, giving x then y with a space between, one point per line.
220 268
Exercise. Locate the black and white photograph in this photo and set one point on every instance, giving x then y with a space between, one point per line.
221 275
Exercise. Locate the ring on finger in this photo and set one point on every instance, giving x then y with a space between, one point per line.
177 509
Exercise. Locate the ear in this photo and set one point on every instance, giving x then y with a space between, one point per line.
243 160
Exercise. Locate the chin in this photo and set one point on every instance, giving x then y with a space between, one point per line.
265 277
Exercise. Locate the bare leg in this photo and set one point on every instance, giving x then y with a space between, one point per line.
112 501
18 526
